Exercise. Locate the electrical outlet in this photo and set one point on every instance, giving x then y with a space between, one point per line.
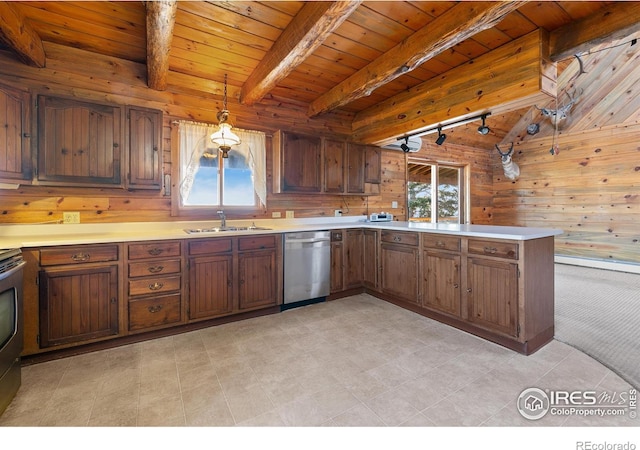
276 214
394 204
70 217
289 214
337 213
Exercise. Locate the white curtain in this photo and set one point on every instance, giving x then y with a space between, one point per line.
195 141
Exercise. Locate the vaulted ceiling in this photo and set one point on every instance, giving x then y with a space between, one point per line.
377 63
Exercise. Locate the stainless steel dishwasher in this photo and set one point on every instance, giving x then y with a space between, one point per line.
307 266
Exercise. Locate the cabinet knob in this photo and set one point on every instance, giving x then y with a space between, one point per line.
469 290
156 286
455 286
81 257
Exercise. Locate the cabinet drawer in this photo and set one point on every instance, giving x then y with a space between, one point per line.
256 242
398 237
148 268
154 312
441 242
154 249
78 255
209 246
154 285
493 248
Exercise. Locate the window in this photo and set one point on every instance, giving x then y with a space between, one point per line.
208 180
436 193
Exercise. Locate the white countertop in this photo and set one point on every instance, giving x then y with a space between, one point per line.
38 235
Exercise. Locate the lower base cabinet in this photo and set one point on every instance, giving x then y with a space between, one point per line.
400 265
441 283
210 286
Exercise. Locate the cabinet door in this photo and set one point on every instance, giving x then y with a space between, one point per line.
354 258
145 153
210 286
78 142
334 157
372 165
399 274
492 288
442 282
355 169
257 281
297 160
370 275
78 304
15 164
337 263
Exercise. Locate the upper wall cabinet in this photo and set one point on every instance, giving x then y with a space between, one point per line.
79 143
144 128
15 129
321 165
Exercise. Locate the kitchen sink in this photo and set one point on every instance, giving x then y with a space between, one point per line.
223 229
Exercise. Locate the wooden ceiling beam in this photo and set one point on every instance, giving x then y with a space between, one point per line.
161 18
307 31
18 35
464 20
612 22
515 75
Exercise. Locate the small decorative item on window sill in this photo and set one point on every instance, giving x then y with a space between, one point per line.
224 137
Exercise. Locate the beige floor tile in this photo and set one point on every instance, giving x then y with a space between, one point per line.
358 416
392 408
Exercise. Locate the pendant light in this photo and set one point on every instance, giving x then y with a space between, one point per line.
224 137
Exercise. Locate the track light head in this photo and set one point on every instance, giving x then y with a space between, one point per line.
441 137
483 129
405 145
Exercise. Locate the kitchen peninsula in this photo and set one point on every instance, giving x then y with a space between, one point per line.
144 280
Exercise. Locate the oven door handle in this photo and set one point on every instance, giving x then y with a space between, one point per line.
12 271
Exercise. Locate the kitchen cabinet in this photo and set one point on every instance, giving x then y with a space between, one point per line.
258 258
492 286
400 265
79 143
154 283
79 294
297 163
210 277
15 136
315 165
144 130
441 275
354 258
334 161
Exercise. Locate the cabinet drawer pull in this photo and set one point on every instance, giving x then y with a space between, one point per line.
490 250
154 308
155 251
81 257
397 238
156 286
440 244
155 269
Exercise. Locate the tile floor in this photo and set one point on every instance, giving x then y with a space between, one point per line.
358 361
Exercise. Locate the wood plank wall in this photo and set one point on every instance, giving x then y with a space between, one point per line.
117 81
590 189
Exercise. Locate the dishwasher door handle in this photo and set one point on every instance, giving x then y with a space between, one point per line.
305 241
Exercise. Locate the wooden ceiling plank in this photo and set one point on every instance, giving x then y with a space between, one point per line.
508 78
459 23
612 22
161 17
16 32
307 31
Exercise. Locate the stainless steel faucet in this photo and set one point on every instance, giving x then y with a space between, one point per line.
223 219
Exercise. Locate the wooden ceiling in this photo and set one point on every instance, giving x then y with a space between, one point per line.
317 57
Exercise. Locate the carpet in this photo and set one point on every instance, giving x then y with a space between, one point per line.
598 312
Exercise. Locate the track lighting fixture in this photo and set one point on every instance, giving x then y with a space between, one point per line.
405 146
441 137
483 129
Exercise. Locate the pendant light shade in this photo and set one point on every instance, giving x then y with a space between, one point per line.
224 137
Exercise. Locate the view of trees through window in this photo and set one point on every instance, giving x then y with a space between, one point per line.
422 196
